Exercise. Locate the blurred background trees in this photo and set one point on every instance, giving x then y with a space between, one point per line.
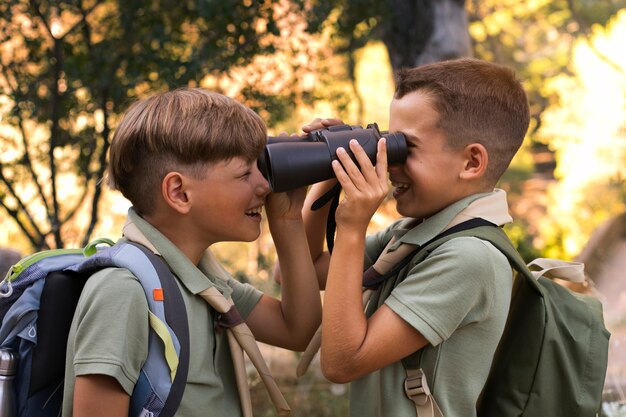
70 68
569 54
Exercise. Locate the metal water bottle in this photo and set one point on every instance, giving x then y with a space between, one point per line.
7 383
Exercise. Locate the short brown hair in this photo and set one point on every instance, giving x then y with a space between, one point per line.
183 129
477 102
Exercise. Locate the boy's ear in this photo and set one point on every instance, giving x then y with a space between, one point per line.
476 160
173 188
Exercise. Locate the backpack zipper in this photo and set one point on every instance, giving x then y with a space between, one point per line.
36 257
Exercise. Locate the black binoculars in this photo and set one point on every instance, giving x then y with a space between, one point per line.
289 163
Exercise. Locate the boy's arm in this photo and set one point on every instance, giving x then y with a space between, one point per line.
315 227
315 221
99 396
352 345
291 321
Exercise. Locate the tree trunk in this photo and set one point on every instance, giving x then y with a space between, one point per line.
423 31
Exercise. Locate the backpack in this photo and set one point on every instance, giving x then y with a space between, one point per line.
37 301
552 358
553 354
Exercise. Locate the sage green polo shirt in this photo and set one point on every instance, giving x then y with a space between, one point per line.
109 334
458 299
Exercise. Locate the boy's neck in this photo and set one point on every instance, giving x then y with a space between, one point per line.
180 234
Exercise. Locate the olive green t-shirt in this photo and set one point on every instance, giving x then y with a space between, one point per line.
109 334
458 299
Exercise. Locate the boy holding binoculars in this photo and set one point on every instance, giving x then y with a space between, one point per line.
463 120
187 161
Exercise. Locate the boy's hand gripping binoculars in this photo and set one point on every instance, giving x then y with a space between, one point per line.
289 162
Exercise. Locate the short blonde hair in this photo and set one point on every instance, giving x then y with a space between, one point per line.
182 130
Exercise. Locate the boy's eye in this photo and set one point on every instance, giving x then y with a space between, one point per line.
246 172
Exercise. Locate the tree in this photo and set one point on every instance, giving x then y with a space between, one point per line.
541 40
68 70
414 31
586 129
535 38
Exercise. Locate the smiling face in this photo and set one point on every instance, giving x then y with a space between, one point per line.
429 180
228 201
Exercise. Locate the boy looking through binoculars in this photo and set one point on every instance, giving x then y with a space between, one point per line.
463 120
186 160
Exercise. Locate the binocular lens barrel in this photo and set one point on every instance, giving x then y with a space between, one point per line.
289 163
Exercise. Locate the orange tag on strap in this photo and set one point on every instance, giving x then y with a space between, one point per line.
157 294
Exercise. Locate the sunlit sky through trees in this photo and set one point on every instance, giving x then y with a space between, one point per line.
582 113
586 128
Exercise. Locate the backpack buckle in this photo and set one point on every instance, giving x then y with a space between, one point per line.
416 387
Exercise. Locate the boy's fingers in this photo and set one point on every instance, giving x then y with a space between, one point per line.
351 179
319 123
342 177
367 169
332 122
381 160
368 177
349 166
312 125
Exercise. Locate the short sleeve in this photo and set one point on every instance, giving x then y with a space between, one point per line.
374 245
111 327
452 287
245 296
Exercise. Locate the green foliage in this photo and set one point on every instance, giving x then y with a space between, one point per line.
538 39
591 12
356 21
70 68
518 234
349 15
566 232
535 38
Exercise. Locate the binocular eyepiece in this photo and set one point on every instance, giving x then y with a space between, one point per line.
289 163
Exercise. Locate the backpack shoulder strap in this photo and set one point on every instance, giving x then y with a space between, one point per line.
415 384
162 380
482 230
371 279
176 319
478 228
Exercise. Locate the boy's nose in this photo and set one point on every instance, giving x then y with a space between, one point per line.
263 186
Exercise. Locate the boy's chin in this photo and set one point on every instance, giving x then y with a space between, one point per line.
252 236
244 236
411 212
404 210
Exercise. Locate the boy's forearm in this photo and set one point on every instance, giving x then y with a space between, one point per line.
344 325
300 299
315 227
